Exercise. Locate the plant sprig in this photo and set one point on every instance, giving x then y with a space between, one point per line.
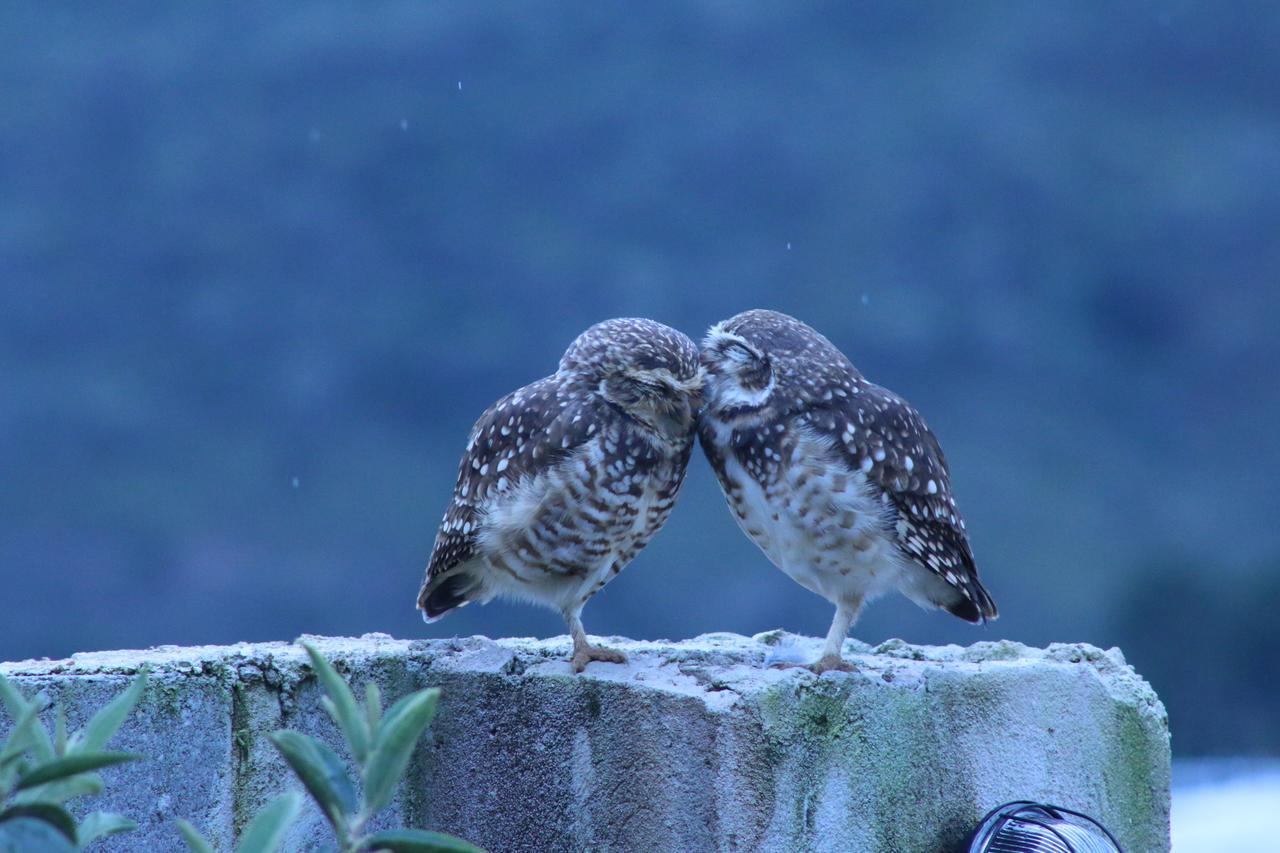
381 745
40 773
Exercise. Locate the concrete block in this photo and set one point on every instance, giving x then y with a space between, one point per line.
705 744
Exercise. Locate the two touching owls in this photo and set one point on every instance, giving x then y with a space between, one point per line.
837 480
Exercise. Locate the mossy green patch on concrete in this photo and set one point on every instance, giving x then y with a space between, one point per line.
1137 777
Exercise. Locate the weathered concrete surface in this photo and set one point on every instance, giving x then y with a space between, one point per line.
696 745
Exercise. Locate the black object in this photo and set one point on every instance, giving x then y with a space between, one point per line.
1026 827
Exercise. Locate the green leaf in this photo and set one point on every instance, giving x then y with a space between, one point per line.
25 834
321 771
195 841
60 768
17 706
13 753
399 733
266 832
109 718
55 816
372 707
60 732
20 739
14 702
342 704
418 841
101 824
80 785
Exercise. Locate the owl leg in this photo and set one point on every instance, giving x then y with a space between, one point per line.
583 651
846 613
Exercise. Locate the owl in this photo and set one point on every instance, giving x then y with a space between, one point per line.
836 479
565 480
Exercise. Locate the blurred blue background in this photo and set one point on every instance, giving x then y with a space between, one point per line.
262 265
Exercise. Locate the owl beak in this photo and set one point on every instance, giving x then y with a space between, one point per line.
676 418
695 401
684 412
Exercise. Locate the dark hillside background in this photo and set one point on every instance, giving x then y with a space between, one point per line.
262 265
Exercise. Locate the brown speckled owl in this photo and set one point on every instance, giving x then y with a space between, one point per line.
565 480
836 479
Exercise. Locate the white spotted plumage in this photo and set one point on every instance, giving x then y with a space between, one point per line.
838 480
565 480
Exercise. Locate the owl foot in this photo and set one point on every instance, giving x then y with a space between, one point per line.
585 654
824 665
830 663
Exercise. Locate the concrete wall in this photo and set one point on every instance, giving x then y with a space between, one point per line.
696 745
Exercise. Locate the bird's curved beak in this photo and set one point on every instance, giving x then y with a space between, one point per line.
676 418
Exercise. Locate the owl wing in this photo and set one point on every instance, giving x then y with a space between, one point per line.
884 437
523 433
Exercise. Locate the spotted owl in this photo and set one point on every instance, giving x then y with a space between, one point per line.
836 479
565 480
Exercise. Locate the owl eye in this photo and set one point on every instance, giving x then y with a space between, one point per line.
642 387
739 351
652 388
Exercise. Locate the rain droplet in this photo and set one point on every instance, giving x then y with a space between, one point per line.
404 124
295 482
459 85
788 247
866 300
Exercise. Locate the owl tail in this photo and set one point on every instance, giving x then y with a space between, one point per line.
977 606
446 592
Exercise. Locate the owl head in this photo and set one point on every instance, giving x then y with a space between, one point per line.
762 359
645 369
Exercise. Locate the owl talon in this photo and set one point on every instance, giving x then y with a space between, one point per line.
586 654
831 663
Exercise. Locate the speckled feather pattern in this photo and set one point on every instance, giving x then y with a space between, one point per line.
838 480
559 488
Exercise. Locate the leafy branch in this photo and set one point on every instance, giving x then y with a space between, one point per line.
381 744
40 772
